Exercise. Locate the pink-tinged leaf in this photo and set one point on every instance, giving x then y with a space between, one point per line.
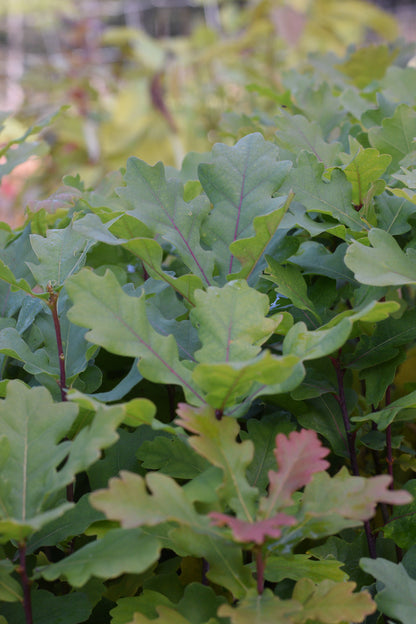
256 532
376 489
298 456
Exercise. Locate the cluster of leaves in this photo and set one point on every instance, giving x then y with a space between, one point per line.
175 345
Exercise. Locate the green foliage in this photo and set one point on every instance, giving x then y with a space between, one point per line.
207 376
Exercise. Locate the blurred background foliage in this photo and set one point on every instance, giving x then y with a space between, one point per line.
152 78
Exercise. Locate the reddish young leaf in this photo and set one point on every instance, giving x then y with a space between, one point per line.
298 456
256 532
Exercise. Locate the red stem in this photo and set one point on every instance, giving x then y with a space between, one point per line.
260 569
53 305
340 397
342 402
389 457
27 603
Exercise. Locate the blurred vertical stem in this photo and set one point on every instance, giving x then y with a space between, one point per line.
27 602
341 399
53 306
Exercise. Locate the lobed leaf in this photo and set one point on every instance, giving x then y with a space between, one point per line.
298 456
397 598
229 384
250 251
384 263
231 322
10 589
240 183
31 427
309 345
363 170
265 608
332 198
290 284
216 441
60 254
351 497
119 323
120 551
135 501
18 284
332 603
298 566
402 527
48 608
396 135
159 204
296 133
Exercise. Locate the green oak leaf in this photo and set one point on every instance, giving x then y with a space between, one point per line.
135 501
128 501
240 183
296 133
172 456
18 284
166 615
47 608
399 84
384 263
231 322
330 602
387 415
127 231
119 323
159 204
393 213
366 166
309 345
402 525
73 522
395 136
150 253
120 551
31 427
300 566
215 440
60 254
351 497
250 251
263 435
10 589
44 358
290 284
265 608
333 198
13 345
315 259
396 597
198 604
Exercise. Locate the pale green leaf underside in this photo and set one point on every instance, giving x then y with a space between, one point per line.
120 551
384 263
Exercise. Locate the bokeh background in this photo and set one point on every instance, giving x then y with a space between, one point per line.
154 78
